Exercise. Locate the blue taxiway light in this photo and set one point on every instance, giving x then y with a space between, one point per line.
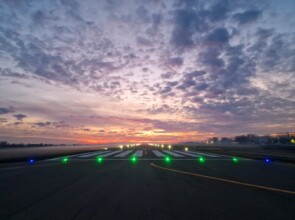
31 161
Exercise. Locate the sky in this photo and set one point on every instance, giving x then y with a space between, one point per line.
118 71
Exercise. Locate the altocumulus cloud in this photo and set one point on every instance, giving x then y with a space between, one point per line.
20 117
209 64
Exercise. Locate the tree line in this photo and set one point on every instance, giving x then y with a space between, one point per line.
283 138
4 144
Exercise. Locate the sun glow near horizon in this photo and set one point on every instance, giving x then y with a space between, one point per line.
106 72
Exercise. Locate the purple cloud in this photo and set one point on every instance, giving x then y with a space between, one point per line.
20 117
5 110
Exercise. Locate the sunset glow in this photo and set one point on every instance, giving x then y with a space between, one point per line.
99 72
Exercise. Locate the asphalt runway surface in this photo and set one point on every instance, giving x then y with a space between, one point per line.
150 187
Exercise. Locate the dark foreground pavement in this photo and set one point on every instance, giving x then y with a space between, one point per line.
125 190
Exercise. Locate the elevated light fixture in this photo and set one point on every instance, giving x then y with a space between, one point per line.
99 159
31 161
133 159
201 159
65 160
235 159
167 159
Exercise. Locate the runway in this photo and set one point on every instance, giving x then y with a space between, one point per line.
150 187
144 154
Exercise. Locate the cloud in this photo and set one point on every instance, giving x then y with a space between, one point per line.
187 22
143 41
175 61
53 124
190 79
211 58
157 19
167 75
247 16
5 110
159 109
3 120
42 124
182 38
9 73
38 17
20 117
218 36
218 11
195 61
60 124
18 123
143 14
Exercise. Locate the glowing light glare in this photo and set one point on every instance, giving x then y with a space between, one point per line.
99 159
201 159
167 159
169 147
186 149
235 159
121 147
31 161
292 141
133 159
267 160
65 160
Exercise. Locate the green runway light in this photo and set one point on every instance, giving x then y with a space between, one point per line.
65 160
133 159
99 159
235 159
201 159
167 159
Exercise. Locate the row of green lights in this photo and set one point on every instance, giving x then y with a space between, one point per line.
134 159
98 159
201 159
65 160
167 159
